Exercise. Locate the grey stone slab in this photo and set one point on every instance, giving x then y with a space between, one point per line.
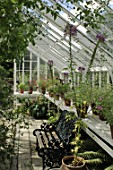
24 156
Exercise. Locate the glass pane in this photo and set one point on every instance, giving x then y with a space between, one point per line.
27 65
34 57
34 65
56 73
27 56
96 78
103 78
42 62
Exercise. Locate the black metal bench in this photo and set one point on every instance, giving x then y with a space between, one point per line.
53 142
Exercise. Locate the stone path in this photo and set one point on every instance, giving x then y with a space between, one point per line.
25 143
27 158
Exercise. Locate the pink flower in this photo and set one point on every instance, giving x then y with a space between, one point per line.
99 107
81 68
50 62
70 30
100 37
65 74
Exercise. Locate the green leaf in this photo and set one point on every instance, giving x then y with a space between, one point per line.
14 1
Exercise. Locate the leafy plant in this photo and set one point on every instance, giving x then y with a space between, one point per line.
37 108
22 86
79 124
104 103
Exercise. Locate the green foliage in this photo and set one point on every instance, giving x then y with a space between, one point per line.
18 26
92 157
109 168
21 86
76 142
36 108
104 103
53 113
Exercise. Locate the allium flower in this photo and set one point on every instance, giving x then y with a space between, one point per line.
99 107
50 62
65 74
70 30
81 68
100 37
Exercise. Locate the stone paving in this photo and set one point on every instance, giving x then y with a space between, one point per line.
25 143
27 158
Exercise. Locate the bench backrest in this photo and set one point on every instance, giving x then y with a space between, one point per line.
65 127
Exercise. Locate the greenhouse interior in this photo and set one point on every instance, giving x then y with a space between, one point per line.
56 104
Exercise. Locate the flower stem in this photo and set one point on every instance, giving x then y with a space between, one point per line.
92 59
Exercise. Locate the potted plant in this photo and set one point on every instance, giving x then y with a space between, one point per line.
68 97
21 87
105 105
74 161
82 99
79 161
42 83
56 91
64 88
50 91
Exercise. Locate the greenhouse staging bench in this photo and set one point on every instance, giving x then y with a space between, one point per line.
98 130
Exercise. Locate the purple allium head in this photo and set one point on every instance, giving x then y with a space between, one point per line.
70 30
66 74
99 107
81 68
100 37
50 62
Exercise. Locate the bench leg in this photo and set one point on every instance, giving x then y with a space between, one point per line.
43 163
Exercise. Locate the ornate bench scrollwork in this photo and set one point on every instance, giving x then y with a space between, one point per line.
53 141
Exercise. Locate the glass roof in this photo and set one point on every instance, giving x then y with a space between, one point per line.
83 44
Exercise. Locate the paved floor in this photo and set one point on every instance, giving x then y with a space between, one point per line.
25 143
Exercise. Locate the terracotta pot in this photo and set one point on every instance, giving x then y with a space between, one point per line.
94 110
21 91
111 129
81 110
66 166
102 117
43 90
67 102
56 96
30 91
51 94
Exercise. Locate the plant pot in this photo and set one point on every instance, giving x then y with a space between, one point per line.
21 91
111 129
50 94
102 117
67 102
30 91
66 163
81 110
94 109
43 90
56 96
